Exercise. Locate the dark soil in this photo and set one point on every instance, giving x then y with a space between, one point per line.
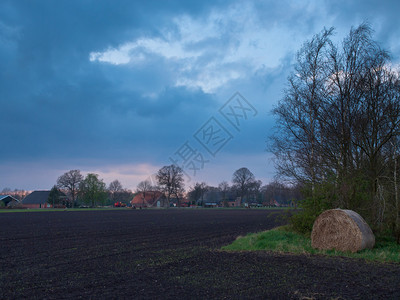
169 254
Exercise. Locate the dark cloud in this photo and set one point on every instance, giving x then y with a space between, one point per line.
58 106
56 103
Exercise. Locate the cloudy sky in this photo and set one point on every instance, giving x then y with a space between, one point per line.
122 88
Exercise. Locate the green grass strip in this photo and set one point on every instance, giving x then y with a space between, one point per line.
283 240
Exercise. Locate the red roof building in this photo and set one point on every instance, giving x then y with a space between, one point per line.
151 199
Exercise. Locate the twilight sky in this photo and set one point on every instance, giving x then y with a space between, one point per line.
122 88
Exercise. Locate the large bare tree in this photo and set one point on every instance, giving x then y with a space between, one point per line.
336 122
70 181
296 146
115 186
115 189
170 179
242 180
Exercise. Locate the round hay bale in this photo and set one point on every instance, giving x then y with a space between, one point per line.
343 230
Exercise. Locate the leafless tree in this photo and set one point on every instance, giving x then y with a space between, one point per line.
170 179
143 187
6 191
224 188
242 180
336 120
254 189
114 188
282 193
197 192
70 181
300 130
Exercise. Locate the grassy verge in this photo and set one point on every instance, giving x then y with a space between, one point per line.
283 240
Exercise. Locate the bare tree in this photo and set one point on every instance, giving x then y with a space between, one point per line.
16 193
114 188
300 129
6 191
197 192
281 193
255 189
143 187
242 180
335 123
224 188
70 181
170 179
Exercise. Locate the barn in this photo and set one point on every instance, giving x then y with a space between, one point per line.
150 199
37 199
7 200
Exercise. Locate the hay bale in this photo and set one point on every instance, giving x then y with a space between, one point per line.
343 230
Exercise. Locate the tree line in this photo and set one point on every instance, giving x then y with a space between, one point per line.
18 194
72 189
338 129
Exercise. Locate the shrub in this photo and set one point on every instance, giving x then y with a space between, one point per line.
312 206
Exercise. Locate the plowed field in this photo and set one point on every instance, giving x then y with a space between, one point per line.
169 254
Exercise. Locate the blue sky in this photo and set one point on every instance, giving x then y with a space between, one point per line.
120 88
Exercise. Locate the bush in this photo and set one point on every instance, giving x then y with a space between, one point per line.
303 222
312 206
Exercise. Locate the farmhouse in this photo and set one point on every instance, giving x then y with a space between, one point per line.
238 201
36 199
150 199
230 203
7 200
272 202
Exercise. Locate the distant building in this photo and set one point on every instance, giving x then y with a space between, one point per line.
37 199
210 204
230 203
8 200
272 202
238 202
152 199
